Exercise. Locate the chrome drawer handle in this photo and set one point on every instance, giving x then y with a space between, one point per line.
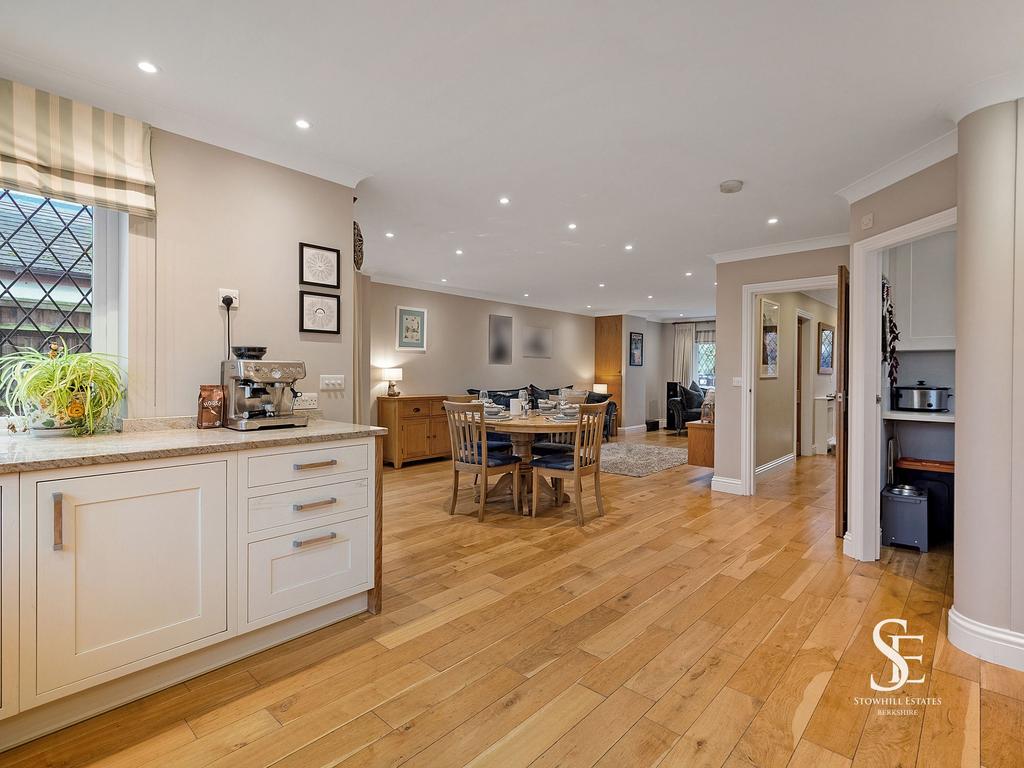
297 543
314 505
315 464
58 521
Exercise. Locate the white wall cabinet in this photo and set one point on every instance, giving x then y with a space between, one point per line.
923 277
130 567
8 595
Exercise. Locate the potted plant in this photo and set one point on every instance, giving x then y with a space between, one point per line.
62 392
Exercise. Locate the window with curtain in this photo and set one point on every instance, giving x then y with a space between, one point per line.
704 356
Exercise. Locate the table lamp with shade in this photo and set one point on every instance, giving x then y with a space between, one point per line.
391 375
600 389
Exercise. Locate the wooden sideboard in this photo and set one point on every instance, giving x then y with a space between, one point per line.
417 427
701 443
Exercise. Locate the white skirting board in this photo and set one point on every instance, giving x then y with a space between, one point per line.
47 718
727 485
775 463
995 644
636 429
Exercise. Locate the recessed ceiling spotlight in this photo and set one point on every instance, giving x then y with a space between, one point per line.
588 306
572 226
716 283
629 246
526 295
503 201
773 220
681 314
389 234
302 123
444 279
650 297
458 251
600 285
689 274
148 68
730 186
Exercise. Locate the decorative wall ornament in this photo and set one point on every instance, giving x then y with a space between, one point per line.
537 342
499 340
890 334
770 311
410 329
319 312
357 245
319 265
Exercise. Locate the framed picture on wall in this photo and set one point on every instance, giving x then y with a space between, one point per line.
319 312
636 348
499 340
769 358
410 329
319 265
826 348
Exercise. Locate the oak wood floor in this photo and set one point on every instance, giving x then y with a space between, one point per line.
685 628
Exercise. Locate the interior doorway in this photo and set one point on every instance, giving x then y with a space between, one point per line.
789 397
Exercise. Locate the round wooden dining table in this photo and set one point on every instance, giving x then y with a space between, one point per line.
522 432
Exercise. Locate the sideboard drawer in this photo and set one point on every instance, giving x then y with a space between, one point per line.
413 409
299 571
437 407
307 504
299 465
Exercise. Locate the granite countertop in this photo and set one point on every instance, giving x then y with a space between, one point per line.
24 453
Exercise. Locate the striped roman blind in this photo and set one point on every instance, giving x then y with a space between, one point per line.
61 148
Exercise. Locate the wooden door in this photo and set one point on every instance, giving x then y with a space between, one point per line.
801 339
129 566
842 372
415 438
440 438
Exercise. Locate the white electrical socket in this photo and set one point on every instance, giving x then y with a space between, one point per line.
232 292
307 400
332 381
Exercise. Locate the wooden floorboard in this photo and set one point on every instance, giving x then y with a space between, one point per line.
684 628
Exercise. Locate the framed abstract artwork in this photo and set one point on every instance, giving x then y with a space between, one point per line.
499 340
537 342
319 265
319 312
636 348
410 329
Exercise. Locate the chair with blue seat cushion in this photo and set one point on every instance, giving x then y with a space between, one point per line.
584 460
553 445
471 453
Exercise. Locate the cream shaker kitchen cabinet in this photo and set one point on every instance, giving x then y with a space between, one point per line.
8 595
121 570
923 277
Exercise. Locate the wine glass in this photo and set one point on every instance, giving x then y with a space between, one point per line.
524 400
484 397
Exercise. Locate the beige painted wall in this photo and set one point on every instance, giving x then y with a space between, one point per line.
731 278
989 523
634 378
922 194
456 355
225 220
775 412
659 369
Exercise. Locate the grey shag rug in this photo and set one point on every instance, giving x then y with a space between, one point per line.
639 459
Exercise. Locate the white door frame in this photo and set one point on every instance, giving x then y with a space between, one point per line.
748 401
864 396
799 378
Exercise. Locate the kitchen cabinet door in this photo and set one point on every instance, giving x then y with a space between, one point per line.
131 567
923 276
440 437
8 595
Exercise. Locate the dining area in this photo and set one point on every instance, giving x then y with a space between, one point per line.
537 451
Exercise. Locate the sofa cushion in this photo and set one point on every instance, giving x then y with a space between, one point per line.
499 396
597 397
693 399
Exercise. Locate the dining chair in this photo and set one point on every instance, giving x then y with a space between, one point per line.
470 453
584 460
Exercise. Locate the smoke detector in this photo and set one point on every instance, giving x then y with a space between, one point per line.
730 186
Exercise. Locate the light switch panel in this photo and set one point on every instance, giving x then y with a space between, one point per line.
737 381
332 381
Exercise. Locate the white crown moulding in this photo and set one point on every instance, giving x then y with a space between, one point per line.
931 153
779 249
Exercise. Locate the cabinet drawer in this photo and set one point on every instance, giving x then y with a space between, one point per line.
307 504
412 409
313 567
437 408
299 465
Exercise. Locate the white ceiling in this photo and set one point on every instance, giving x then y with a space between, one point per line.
621 117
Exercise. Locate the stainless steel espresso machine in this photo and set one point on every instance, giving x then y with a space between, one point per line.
260 393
